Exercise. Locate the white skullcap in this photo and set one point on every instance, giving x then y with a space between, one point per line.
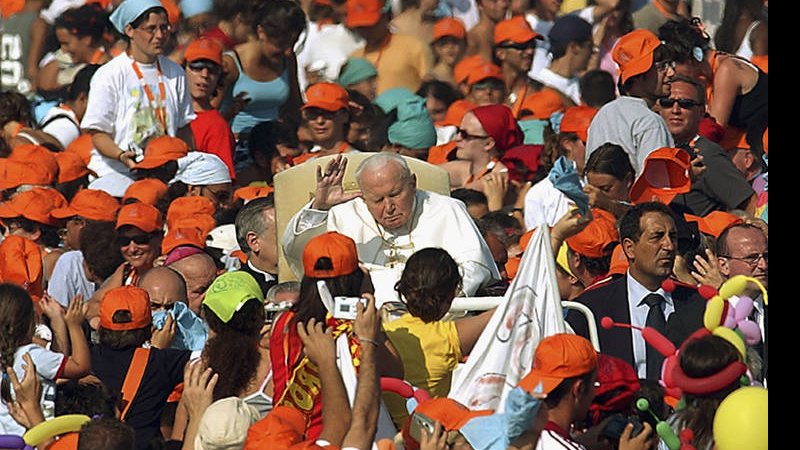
224 425
201 169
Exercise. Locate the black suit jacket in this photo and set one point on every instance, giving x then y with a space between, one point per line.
263 283
611 299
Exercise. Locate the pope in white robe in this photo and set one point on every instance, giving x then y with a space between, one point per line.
389 221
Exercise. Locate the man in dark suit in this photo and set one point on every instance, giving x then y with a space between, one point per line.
649 239
258 239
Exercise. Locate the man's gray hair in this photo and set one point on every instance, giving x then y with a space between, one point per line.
378 161
250 219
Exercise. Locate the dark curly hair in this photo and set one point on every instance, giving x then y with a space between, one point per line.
233 351
429 283
680 37
92 399
87 20
97 246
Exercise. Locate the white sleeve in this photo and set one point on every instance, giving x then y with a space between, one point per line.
185 109
304 225
59 287
650 138
101 108
62 129
47 363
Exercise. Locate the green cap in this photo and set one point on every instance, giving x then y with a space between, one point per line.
414 128
356 70
230 291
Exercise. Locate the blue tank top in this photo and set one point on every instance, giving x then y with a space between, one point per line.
266 97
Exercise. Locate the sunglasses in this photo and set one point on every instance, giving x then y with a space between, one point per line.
522 46
138 239
313 113
466 136
685 103
198 66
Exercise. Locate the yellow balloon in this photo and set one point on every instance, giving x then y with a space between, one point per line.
713 315
732 337
741 420
734 286
54 427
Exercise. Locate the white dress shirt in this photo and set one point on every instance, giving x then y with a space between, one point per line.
637 292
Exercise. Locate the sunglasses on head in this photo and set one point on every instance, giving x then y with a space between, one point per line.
684 103
199 65
139 239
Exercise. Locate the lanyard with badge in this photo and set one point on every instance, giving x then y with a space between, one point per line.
159 107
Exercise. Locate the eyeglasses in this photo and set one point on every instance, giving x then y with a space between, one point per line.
685 103
314 113
466 136
750 260
198 66
138 239
164 29
662 66
522 46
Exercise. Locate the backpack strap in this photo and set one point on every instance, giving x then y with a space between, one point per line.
133 379
58 117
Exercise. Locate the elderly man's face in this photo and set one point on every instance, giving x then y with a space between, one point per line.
389 197
748 254
683 120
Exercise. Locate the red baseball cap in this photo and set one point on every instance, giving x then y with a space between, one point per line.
515 29
326 95
162 150
340 249
140 215
91 204
557 358
449 27
204 48
597 235
665 175
577 120
132 299
634 53
146 190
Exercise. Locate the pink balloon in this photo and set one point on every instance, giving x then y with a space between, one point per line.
751 332
743 308
730 320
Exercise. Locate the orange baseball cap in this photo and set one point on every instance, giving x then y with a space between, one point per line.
455 113
365 13
248 193
515 29
665 175
597 235
35 204
70 167
177 237
577 119
765 141
484 72
440 154
173 11
39 155
82 146
162 150
204 48
340 249
194 211
734 138
67 441
449 27
91 204
21 264
132 299
557 358
282 427
450 413
146 190
540 105
326 95
14 174
140 215
634 53
714 223
464 67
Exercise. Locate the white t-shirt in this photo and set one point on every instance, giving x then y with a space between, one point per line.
48 365
69 279
328 47
629 123
118 104
544 204
568 86
62 124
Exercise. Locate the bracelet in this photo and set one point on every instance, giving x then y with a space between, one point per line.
375 343
119 157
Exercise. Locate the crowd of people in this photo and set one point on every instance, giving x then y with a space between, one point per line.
162 287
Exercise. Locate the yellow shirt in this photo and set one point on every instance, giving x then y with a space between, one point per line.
429 352
402 62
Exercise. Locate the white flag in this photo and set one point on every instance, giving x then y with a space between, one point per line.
530 310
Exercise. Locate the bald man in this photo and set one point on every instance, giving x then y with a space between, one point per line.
199 271
165 286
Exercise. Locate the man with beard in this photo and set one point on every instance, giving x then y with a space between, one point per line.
649 240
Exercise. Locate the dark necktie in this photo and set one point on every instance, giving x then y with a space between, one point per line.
655 319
